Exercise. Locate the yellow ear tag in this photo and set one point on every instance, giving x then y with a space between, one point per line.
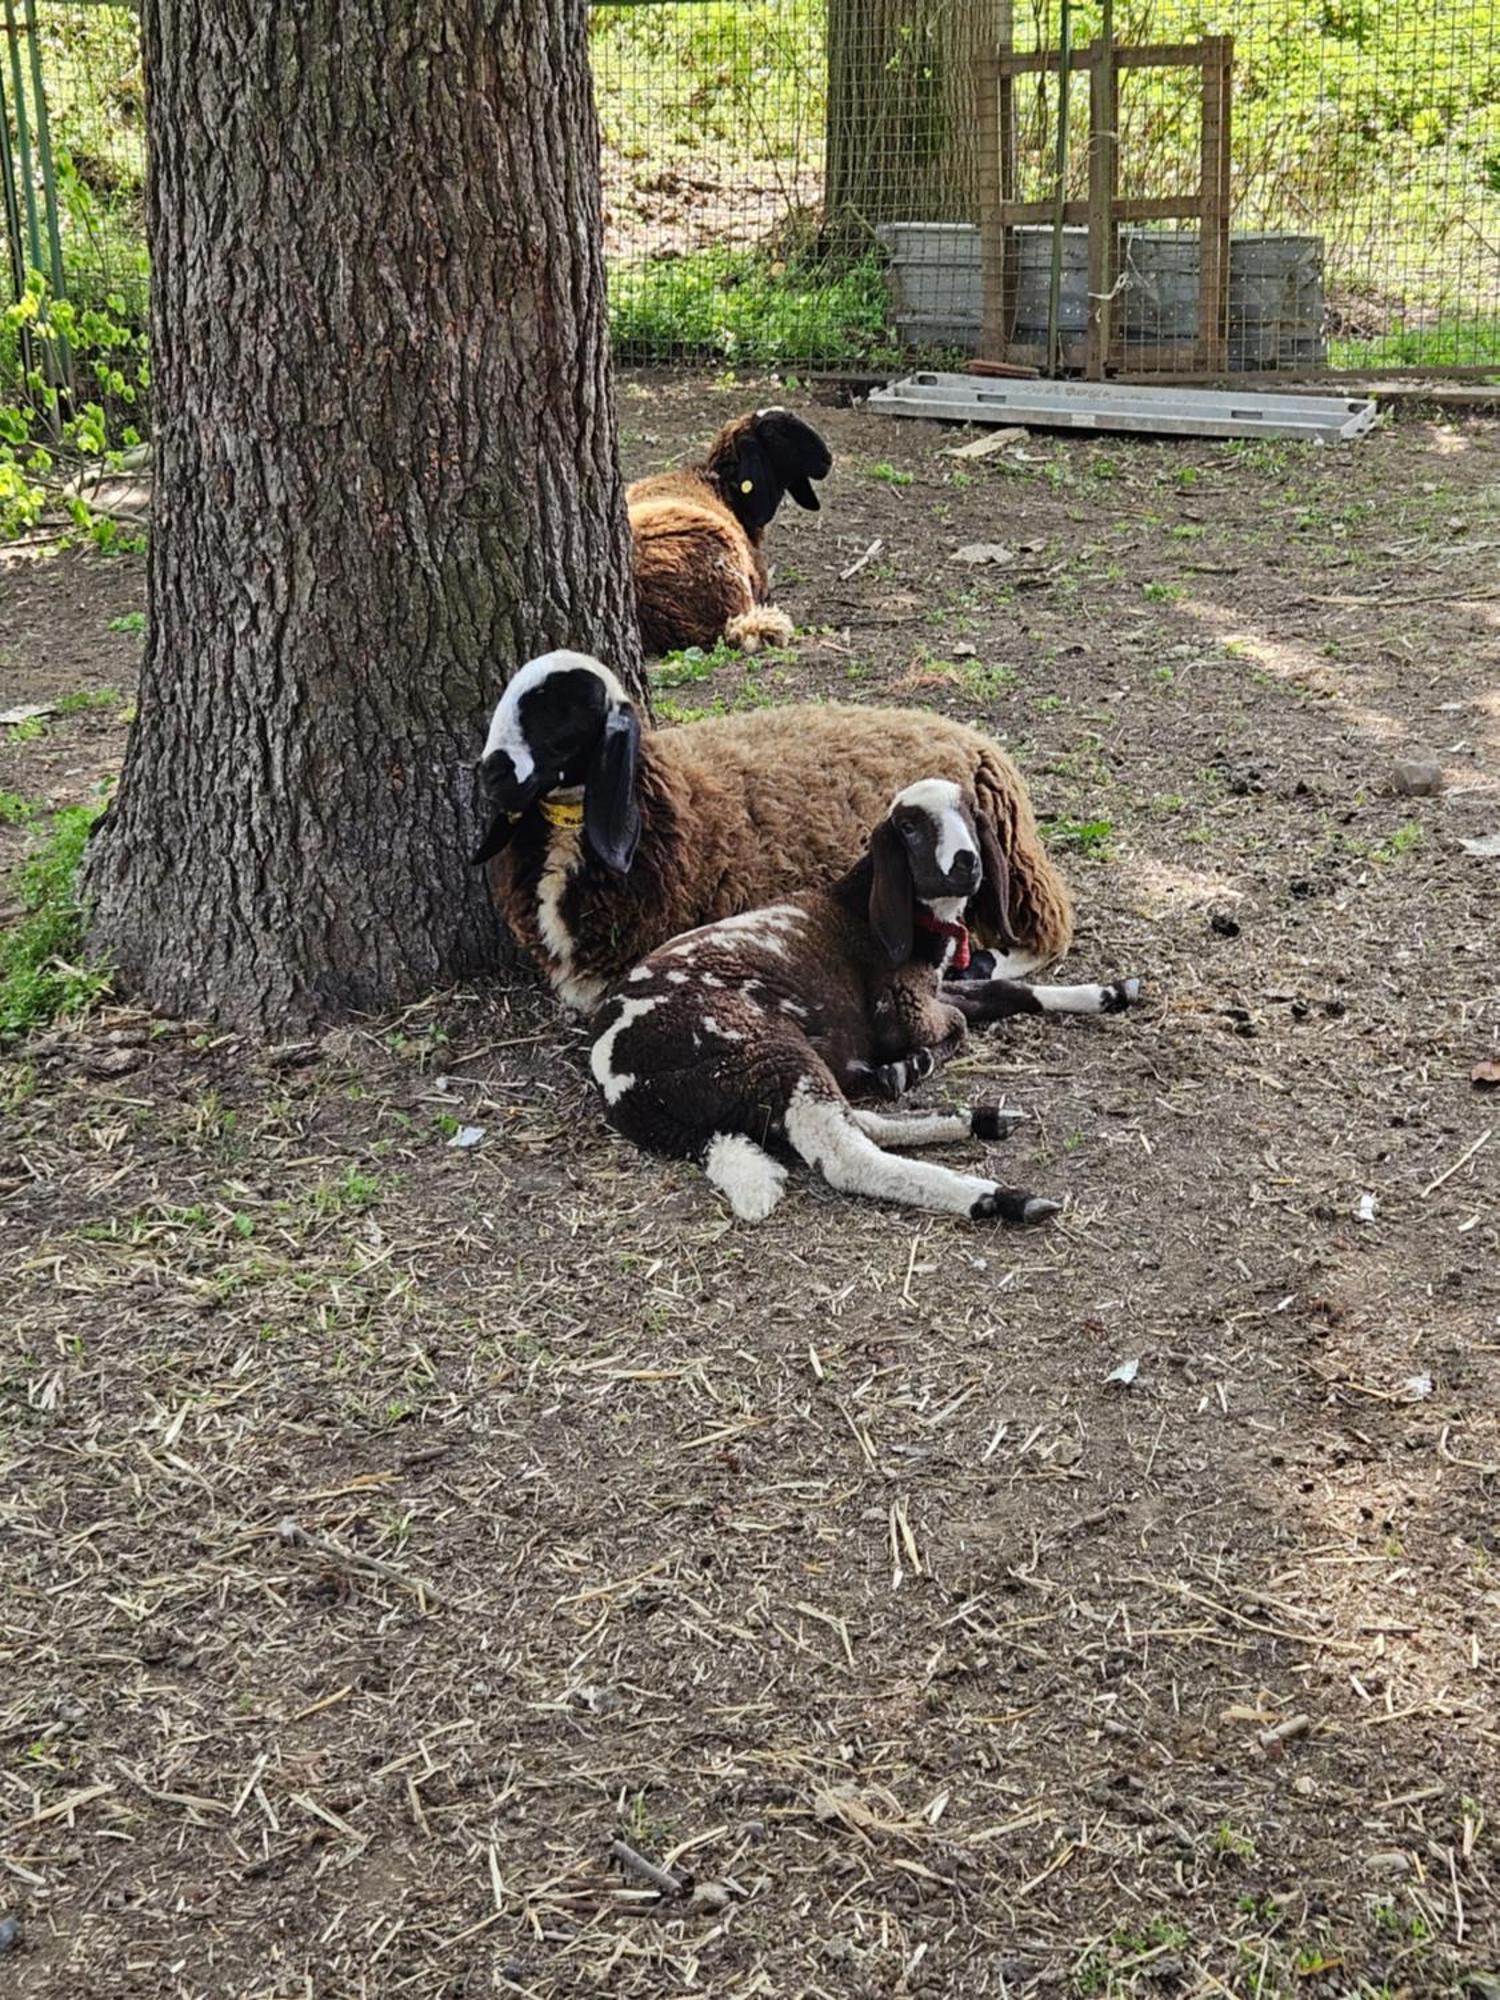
563 812
747 486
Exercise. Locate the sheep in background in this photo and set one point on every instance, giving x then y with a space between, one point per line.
699 572
605 839
757 1030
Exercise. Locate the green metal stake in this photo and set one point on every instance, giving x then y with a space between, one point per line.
23 138
1054 289
50 204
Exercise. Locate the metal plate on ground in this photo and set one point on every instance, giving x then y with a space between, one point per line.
1119 406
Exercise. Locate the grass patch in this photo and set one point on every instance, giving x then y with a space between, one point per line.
1459 343
84 699
41 976
1084 836
748 308
16 811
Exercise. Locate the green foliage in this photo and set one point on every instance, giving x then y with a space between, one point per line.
1085 836
54 440
41 976
749 308
16 811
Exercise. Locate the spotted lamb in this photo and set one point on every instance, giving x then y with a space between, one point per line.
606 838
749 1036
700 575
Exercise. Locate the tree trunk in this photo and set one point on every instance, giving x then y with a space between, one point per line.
385 476
902 139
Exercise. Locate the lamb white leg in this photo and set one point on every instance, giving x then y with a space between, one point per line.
936 1128
824 1134
996 999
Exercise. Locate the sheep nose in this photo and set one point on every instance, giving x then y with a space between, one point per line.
966 866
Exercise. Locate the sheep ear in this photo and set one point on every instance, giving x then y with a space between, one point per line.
502 826
890 894
990 908
750 484
611 819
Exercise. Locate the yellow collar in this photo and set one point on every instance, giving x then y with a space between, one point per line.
563 812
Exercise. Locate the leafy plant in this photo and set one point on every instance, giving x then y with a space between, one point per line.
57 442
1086 836
42 971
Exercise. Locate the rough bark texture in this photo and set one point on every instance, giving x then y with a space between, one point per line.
385 475
902 122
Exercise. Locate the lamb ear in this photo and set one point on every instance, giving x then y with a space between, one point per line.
502 826
611 818
990 908
890 894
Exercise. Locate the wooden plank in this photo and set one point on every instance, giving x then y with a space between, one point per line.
992 195
1103 192
1213 229
1014 213
1159 208
1160 55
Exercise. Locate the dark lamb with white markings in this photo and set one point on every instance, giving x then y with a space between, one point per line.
754 1033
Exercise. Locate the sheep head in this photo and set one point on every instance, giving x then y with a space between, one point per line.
564 723
759 459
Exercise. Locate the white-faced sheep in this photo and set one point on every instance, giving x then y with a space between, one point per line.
755 1032
605 839
700 575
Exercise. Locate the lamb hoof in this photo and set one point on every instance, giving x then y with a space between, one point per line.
895 1079
1120 994
981 965
1011 1205
994 1121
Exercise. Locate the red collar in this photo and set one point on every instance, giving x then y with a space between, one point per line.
959 933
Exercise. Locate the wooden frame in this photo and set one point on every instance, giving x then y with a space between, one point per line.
1104 211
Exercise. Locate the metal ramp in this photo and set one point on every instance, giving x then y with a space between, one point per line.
1110 406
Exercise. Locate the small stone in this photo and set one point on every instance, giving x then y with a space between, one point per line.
1223 925
1417 777
1304 1787
10 1933
984 552
710 1897
1391 1862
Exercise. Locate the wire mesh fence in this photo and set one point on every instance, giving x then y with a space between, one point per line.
801 183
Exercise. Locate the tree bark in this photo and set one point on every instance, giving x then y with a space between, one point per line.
385 476
902 138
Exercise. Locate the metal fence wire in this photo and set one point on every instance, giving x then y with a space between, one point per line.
801 183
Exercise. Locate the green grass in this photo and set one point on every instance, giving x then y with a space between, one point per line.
83 699
1084 836
746 308
42 970
1467 342
16 811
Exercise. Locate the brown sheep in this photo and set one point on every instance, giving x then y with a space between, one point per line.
606 839
700 575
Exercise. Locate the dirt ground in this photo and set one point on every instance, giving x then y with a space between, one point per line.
388 1526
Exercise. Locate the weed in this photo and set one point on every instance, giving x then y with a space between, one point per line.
86 698
29 731
41 975
1407 839
350 1195
1085 836
889 475
1164 593
16 811
130 621
692 663
1232 1845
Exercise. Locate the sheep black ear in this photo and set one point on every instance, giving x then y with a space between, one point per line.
890 894
611 818
990 907
749 482
502 826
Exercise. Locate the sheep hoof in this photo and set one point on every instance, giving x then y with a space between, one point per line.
994 1121
1119 995
1011 1205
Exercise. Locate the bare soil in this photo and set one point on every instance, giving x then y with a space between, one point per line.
389 1526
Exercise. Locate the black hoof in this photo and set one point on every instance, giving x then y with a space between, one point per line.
994 1121
1120 994
1011 1205
981 965
895 1079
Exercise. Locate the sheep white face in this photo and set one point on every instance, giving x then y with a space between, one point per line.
937 832
545 728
